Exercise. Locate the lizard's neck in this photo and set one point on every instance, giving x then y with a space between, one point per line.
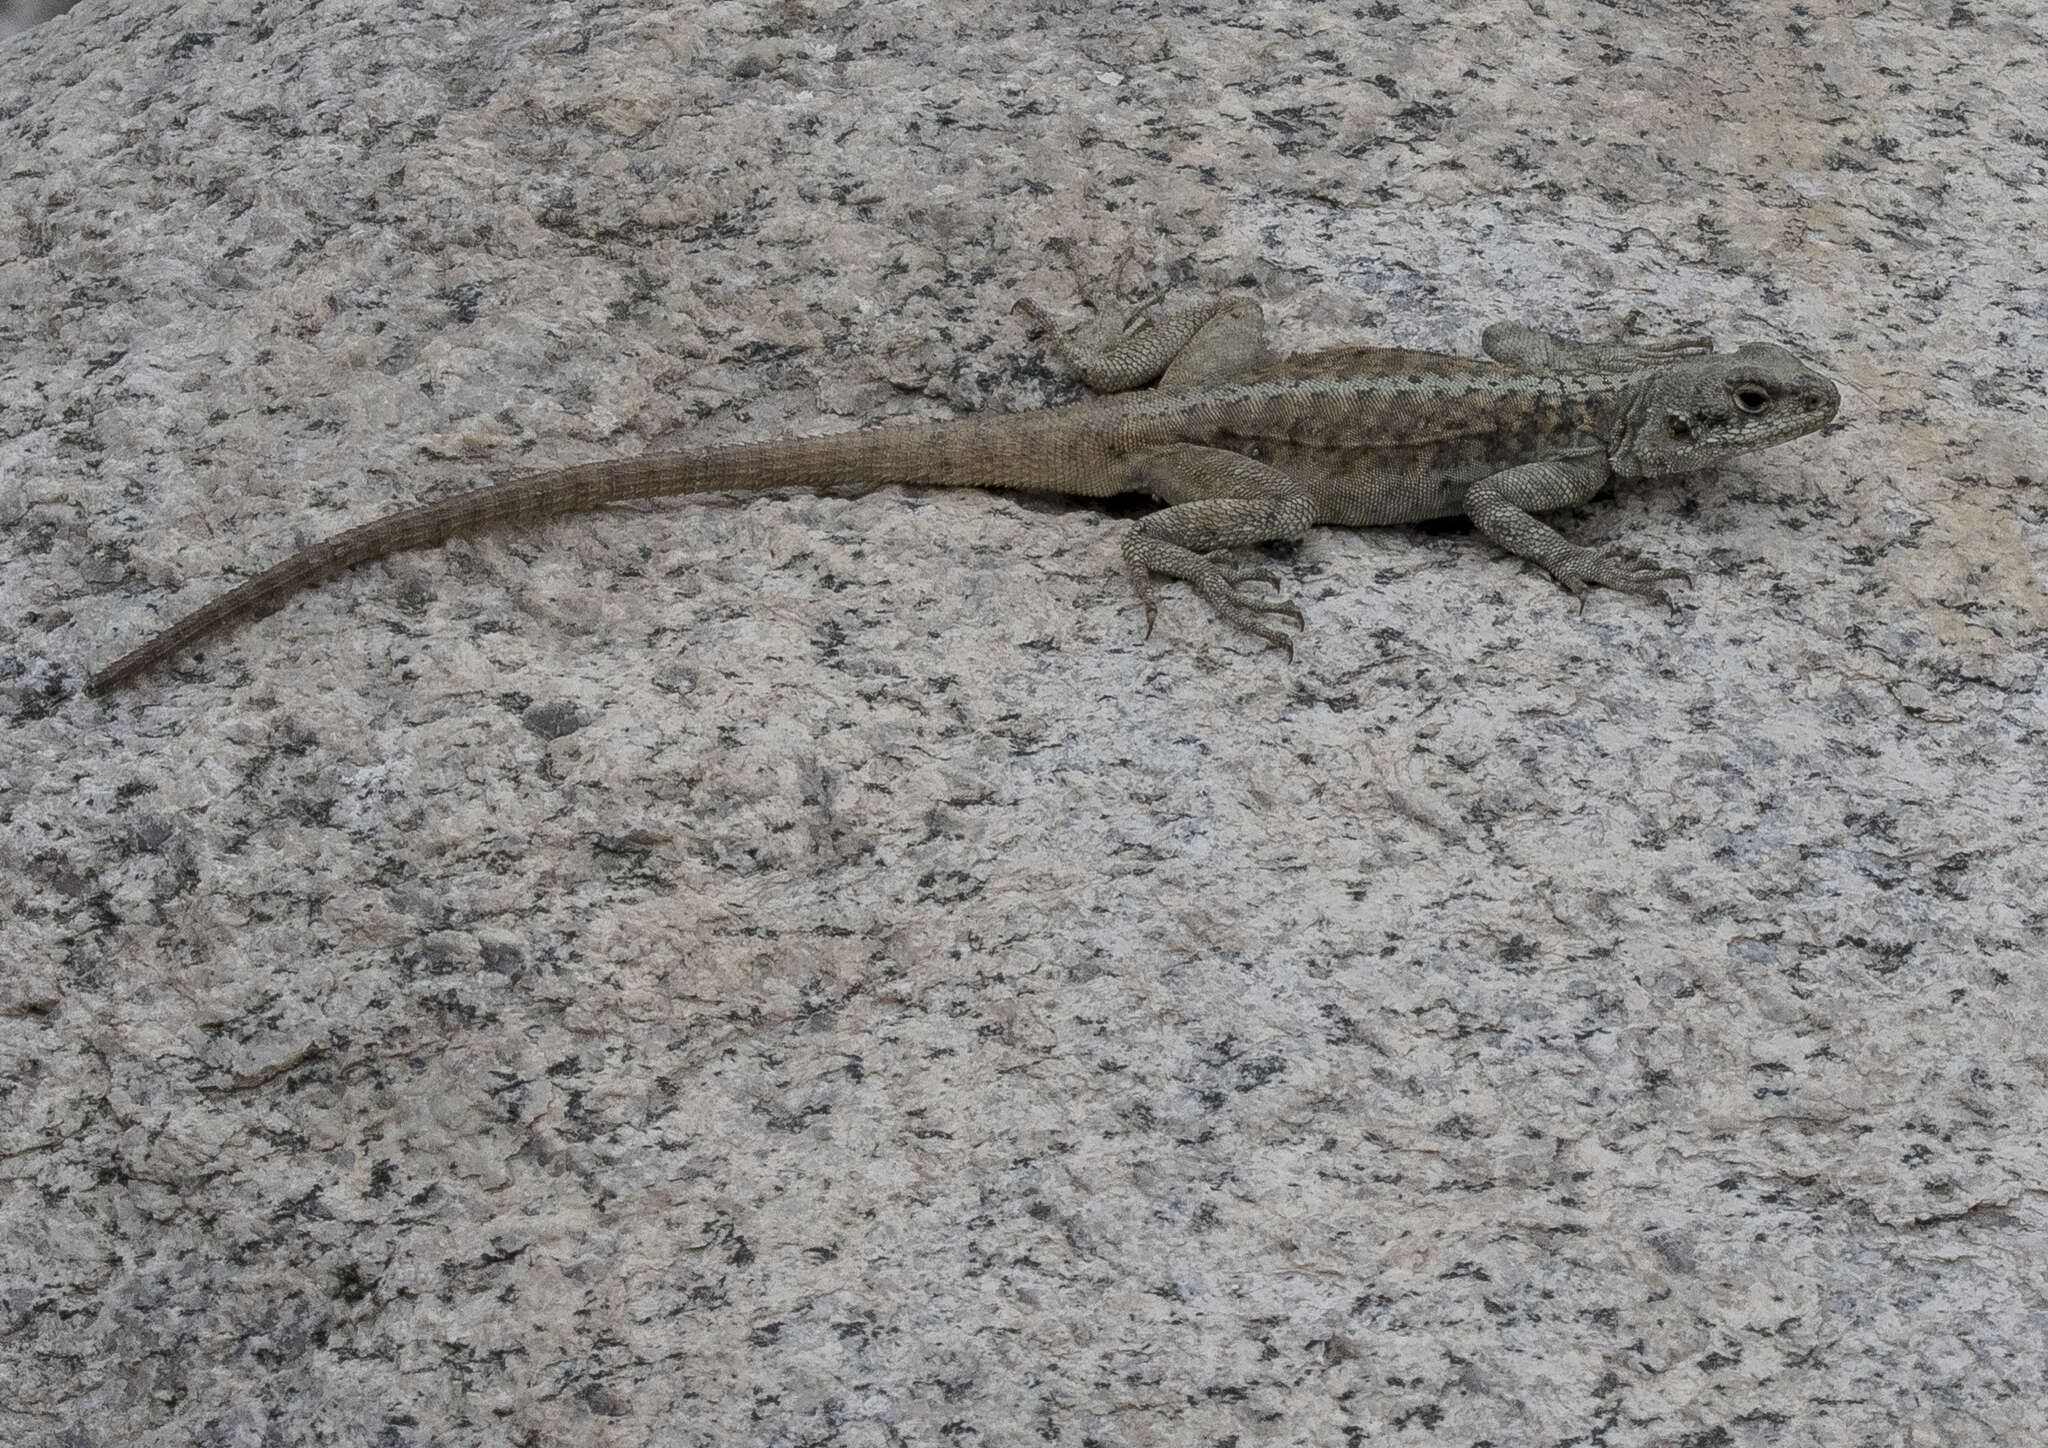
1632 411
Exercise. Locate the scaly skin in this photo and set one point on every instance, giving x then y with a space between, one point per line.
1241 451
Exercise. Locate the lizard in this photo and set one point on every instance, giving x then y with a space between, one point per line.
1240 448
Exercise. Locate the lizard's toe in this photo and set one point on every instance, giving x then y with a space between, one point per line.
1622 569
1217 585
1241 576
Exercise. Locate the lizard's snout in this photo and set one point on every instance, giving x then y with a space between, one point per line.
1818 395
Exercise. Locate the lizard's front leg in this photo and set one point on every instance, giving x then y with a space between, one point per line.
1215 500
1501 504
1531 348
1124 348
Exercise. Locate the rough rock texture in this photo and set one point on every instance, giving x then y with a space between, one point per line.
20 15
809 971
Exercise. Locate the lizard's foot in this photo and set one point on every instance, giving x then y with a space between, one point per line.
1677 347
1692 346
1114 312
1621 569
1113 350
1219 584
1520 345
1128 343
1097 349
1113 324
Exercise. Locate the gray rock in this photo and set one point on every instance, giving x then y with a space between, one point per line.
809 970
18 15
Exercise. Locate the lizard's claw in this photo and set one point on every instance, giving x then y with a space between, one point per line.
1115 319
1219 585
1106 299
1621 569
1147 588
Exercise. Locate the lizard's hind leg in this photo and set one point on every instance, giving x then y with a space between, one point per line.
1216 500
1125 346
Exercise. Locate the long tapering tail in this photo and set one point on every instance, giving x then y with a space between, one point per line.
964 453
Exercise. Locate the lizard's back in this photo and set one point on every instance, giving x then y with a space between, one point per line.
1390 434
1370 362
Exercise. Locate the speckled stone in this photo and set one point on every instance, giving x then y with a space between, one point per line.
810 971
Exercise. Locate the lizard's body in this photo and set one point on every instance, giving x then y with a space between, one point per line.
1240 450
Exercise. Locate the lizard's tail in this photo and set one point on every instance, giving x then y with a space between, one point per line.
963 454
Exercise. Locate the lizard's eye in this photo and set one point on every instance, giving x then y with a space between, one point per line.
1751 398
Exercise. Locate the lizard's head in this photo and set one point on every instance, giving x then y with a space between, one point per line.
1702 409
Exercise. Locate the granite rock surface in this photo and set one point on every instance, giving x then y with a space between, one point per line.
808 970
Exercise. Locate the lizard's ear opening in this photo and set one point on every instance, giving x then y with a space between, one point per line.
1679 426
